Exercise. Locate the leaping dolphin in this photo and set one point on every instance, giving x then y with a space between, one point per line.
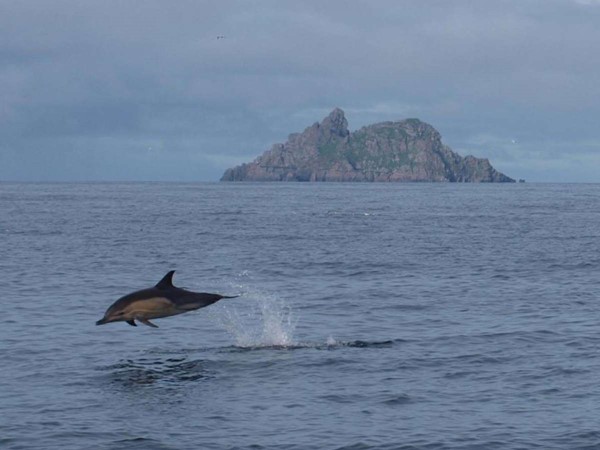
162 300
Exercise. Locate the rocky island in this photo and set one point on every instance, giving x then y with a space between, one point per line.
408 150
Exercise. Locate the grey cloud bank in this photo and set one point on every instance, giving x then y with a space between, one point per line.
145 90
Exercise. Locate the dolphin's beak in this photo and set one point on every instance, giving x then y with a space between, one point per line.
102 321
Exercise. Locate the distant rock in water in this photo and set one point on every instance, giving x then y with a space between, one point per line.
409 150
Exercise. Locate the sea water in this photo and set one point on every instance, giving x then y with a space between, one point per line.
370 316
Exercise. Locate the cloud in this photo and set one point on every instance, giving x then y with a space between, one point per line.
75 77
588 2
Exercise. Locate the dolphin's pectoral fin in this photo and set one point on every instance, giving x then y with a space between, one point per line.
147 322
132 323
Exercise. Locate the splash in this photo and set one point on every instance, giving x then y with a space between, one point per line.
261 321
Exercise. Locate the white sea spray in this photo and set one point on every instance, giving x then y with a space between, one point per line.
259 319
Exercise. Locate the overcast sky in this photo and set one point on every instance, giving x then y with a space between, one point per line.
145 90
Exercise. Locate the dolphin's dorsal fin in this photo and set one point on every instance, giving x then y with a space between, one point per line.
167 281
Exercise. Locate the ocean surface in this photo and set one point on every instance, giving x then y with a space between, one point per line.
370 316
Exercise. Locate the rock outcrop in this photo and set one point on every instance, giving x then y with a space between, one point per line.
409 150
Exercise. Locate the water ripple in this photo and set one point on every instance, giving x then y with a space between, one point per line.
388 317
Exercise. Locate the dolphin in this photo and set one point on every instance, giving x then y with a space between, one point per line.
162 300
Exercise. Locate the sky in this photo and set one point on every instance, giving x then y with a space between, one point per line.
181 90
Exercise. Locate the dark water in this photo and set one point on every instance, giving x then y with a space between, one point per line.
372 316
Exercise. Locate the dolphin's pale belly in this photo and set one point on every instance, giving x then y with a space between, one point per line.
152 308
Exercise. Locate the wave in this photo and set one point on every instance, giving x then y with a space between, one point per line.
330 344
146 371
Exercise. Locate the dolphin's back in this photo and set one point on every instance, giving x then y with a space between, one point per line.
182 299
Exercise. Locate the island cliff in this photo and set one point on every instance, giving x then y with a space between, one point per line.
409 150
